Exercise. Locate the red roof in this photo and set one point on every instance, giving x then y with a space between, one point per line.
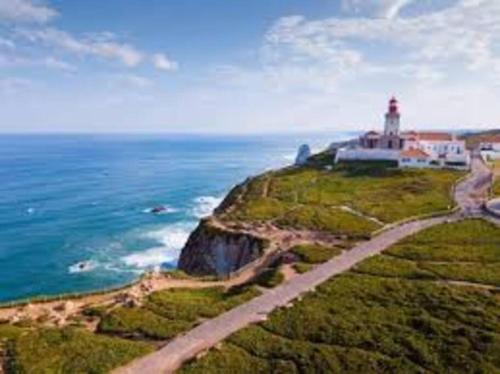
414 153
436 136
490 139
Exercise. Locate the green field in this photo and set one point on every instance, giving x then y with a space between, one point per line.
393 313
352 199
66 350
170 312
124 333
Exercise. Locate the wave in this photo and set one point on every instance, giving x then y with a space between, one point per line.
166 209
205 205
82 267
171 240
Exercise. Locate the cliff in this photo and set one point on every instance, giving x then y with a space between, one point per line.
215 250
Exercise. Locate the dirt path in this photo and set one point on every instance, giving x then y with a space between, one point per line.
469 196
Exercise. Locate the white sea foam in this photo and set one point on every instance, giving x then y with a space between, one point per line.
171 240
152 257
167 210
205 205
82 267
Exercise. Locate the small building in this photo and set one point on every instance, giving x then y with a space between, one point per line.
414 158
490 143
490 148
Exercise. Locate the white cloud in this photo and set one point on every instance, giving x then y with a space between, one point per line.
7 43
25 11
162 62
55 63
29 20
52 37
392 8
133 80
388 9
466 33
11 85
50 62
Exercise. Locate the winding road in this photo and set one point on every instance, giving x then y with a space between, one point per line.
209 333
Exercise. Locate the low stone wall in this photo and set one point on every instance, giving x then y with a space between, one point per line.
366 154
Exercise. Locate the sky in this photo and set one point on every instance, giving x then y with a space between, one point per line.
239 66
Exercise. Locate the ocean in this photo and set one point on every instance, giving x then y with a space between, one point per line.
75 210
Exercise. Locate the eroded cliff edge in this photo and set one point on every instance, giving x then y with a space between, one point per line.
216 250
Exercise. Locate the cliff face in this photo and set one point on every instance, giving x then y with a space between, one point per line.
212 250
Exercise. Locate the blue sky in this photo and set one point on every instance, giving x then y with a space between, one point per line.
239 66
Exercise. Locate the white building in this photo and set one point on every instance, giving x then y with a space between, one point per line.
431 149
490 143
414 158
490 148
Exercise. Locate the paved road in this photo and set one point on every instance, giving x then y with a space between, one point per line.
211 332
467 193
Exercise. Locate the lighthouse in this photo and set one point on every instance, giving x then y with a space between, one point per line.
392 118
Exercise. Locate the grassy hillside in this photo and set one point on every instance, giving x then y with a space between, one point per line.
124 333
353 198
170 312
399 312
67 350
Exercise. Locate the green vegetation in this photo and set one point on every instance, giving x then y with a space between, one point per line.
302 267
387 315
315 254
170 312
496 187
67 350
270 277
315 198
467 251
495 168
310 255
32 349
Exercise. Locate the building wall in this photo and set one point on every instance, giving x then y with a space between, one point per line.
391 142
366 154
490 155
489 146
442 147
413 162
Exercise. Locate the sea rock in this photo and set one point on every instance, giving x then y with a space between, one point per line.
213 250
303 155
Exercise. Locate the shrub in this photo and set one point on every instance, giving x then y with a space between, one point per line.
71 350
270 278
315 254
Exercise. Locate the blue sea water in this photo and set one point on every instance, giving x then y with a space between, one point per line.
66 199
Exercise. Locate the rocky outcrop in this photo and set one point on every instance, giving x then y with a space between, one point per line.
214 250
303 155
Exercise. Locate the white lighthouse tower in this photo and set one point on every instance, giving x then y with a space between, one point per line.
392 118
